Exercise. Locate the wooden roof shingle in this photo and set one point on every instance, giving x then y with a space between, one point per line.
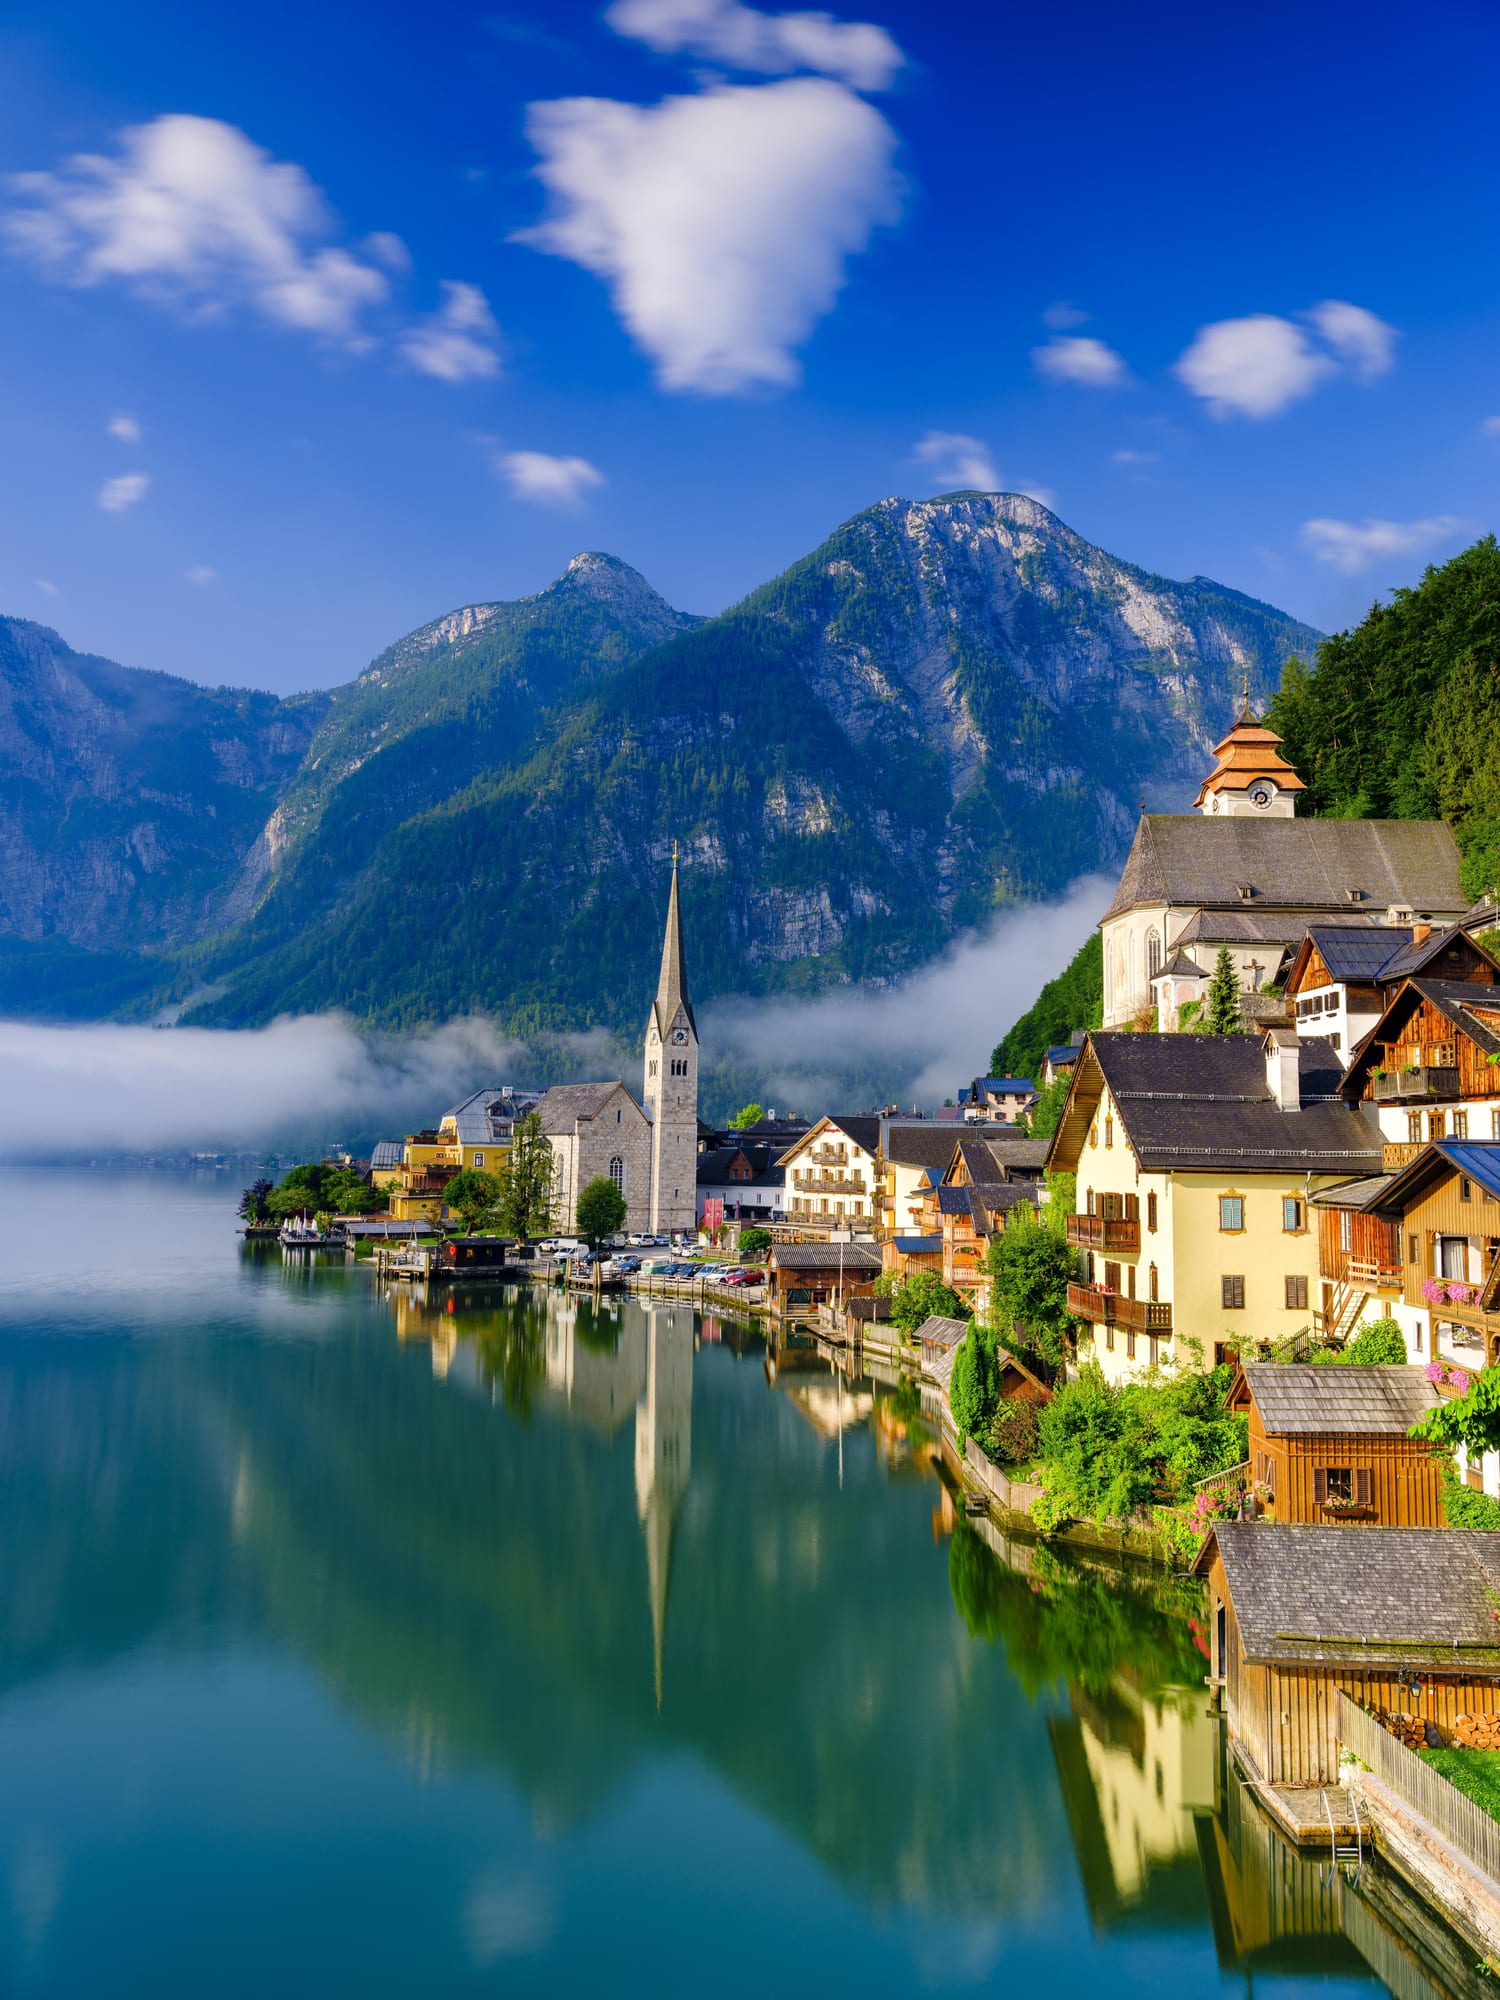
1310 1399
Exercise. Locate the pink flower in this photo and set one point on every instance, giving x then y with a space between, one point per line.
1434 1291
1434 1371
1459 1377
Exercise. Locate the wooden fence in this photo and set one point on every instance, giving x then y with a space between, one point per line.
1466 1827
1234 1479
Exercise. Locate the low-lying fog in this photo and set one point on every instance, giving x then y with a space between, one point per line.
109 1089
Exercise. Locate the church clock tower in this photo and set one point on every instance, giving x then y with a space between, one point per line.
671 1093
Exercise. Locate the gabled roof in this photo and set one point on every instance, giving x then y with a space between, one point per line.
1455 999
954 1201
1203 1103
567 1104
857 1258
1377 1596
1479 1159
715 1165
1018 1155
1362 1194
936 1331
1005 1086
473 1120
1062 1055
1181 966
1311 864
1297 1399
923 1146
862 1130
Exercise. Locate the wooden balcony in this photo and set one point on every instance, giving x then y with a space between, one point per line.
1099 1232
1377 1277
829 1183
1398 1153
1094 1303
1402 1086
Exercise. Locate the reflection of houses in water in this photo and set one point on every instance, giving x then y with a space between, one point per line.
663 1453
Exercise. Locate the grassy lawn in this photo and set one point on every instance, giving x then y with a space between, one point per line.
1476 1773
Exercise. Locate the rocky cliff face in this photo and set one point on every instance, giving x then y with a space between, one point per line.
949 706
128 799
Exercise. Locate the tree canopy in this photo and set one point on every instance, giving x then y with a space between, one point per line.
474 1195
919 1297
527 1176
746 1116
324 1187
601 1211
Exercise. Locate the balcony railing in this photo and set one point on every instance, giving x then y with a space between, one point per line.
1381 1277
1093 1302
1398 1153
829 1183
1400 1086
1101 1232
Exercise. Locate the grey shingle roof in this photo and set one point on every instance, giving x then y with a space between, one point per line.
929 1146
1364 1193
858 1258
1307 864
566 1103
1284 927
937 1331
1304 1399
1203 1102
1026 1156
474 1118
714 1166
954 1201
1358 951
862 1129
1378 1596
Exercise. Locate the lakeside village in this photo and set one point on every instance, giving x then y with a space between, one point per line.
1219 1286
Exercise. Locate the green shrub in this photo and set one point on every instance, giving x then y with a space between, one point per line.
754 1242
1107 1451
1378 1344
1463 1507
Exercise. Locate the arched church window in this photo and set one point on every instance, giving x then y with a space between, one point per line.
617 1172
1153 952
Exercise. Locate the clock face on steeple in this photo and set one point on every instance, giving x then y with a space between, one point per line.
679 1036
1261 797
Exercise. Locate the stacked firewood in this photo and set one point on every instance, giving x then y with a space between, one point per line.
1477 1732
1410 1729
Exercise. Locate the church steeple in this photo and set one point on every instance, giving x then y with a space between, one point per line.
1251 778
671 987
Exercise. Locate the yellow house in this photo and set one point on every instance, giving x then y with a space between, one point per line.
1195 1156
476 1134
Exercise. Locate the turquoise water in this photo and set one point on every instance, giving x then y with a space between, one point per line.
356 1646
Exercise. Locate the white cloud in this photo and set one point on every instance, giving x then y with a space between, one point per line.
856 52
1080 359
389 250
721 222
47 589
924 1036
460 342
123 491
553 482
1260 365
1127 457
125 427
1353 546
1357 337
959 463
1254 367
1064 314
190 211
1490 427
202 575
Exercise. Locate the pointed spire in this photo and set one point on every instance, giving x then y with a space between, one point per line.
671 987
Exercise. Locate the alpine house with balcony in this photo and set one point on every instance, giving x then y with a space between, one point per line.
1195 1156
1430 1067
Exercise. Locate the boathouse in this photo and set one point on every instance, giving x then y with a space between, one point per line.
1402 1620
1330 1443
805 1276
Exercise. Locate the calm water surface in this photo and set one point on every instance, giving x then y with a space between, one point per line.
352 1644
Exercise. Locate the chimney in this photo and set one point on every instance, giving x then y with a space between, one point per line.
1420 933
1283 1069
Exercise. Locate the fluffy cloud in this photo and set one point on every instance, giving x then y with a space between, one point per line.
552 482
1353 546
1077 358
460 342
721 222
1260 365
1357 337
1063 315
856 52
123 491
125 427
201 575
958 463
191 211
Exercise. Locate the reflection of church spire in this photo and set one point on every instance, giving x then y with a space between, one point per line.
663 1457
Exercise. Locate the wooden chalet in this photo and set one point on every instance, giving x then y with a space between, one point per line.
805 1276
1342 976
1359 1256
1399 1619
1330 1443
1430 1067
1444 1207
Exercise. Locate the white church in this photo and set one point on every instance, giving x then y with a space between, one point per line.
649 1151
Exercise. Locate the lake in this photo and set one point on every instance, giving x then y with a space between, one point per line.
353 1643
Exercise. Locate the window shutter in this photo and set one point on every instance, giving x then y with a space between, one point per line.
1320 1484
1362 1493
1151 1211
1132 1208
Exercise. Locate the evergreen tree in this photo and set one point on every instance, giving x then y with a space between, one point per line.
526 1181
1223 1017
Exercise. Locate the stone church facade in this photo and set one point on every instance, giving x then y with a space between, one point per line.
650 1152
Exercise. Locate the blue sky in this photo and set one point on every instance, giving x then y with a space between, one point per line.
318 320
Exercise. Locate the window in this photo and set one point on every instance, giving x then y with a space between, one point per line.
1130 1343
619 1114
1437 1124
1232 1292
1453 1257
1293 1215
1414 1127
1411 1249
1460 1124
479 1162
1296 1293
1151 1291
1094 1134
1346 1229
1338 1482
653 1069
1334 1039
617 1172
1151 1211
1109 1131
1231 1211
1495 1124
1465 1188
1153 953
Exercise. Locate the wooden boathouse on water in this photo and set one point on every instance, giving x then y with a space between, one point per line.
1401 1620
1331 1444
